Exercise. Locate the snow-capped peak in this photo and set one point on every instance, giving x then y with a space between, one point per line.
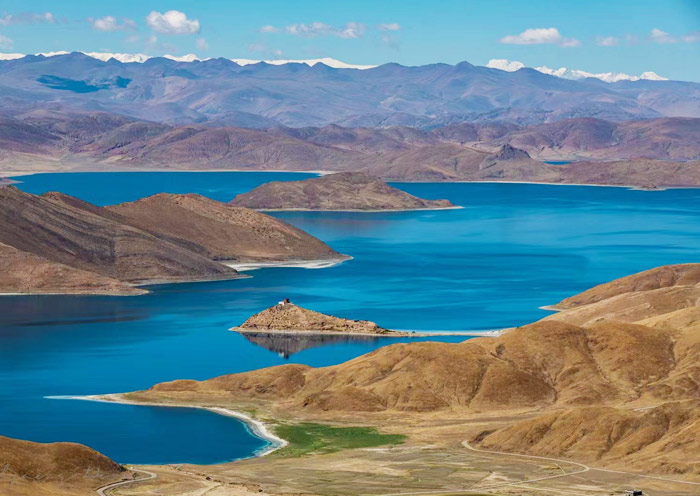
190 57
566 73
124 58
11 56
336 64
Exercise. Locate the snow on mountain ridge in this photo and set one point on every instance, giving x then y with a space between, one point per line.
127 58
501 64
566 73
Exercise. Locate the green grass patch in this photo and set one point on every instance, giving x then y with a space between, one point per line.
307 438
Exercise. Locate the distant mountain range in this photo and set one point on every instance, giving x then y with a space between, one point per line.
221 92
604 152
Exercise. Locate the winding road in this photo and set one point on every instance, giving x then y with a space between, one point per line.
103 491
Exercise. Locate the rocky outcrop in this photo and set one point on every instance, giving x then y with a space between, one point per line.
288 317
508 152
342 191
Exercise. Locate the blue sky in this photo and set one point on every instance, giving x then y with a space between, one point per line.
629 36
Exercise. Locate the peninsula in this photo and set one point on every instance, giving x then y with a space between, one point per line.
623 376
345 191
288 318
55 243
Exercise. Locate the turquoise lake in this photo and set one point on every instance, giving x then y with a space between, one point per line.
492 264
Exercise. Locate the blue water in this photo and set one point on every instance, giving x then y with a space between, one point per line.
557 162
512 249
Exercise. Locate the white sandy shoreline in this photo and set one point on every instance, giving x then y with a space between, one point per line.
369 211
321 263
394 333
10 174
256 427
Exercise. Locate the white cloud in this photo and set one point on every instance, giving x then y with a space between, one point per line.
693 37
389 27
263 48
27 18
257 47
269 29
111 23
5 42
658 36
505 65
202 44
351 30
607 41
172 22
540 36
391 40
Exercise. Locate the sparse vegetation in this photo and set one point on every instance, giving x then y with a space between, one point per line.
307 438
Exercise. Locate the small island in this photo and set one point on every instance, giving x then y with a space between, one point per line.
346 191
288 318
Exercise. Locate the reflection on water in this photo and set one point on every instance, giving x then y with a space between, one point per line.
286 345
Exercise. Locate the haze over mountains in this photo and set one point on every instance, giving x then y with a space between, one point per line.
221 92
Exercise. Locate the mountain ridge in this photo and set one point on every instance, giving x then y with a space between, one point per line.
297 95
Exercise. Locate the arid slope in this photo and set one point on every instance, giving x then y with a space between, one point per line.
55 243
623 388
225 232
24 272
50 469
81 238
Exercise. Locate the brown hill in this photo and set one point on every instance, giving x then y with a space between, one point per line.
509 372
622 388
667 276
647 153
79 237
342 191
288 317
55 243
224 232
24 272
667 139
662 438
54 469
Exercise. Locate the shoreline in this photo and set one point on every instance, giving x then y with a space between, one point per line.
256 427
116 295
393 333
320 263
12 174
369 211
